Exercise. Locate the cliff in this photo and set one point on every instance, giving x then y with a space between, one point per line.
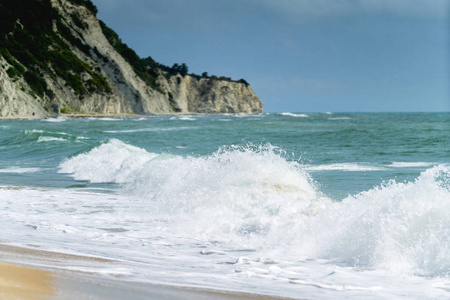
57 56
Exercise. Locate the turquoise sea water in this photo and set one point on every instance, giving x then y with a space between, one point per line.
290 204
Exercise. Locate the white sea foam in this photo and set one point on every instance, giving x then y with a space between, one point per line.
294 115
340 118
104 119
353 167
411 164
255 199
249 216
111 162
147 130
400 227
42 139
33 131
19 170
57 120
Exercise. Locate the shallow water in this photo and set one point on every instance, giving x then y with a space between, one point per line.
292 204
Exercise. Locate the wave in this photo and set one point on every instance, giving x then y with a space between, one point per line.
56 120
148 129
111 162
42 139
19 170
353 167
400 227
258 167
294 115
104 119
340 118
42 136
183 118
253 198
410 164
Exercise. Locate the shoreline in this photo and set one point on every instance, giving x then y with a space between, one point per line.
101 115
28 273
93 115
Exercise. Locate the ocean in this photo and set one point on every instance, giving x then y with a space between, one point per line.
301 205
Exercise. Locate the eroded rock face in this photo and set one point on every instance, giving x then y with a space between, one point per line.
206 95
16 99
127 92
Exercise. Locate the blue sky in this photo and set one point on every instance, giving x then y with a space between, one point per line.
302 55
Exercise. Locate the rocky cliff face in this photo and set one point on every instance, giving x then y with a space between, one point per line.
86 74
15 97
207 95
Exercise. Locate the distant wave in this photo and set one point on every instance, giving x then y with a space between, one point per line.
343 167
104 119
410 164
57 120
19 170
50 139
294 115
183 118
340 118
147 129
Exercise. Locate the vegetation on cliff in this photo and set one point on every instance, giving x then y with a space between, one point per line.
148 68
30 44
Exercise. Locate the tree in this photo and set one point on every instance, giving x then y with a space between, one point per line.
183 69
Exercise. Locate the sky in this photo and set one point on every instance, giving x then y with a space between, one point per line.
302 55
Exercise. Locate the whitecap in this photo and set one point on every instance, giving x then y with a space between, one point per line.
294 115
57 120
34 131
343 167
104 119
148 129
399 227
410 164
19 170
42 139
114 161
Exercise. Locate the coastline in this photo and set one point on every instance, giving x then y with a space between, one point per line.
27 273
93 115
100 115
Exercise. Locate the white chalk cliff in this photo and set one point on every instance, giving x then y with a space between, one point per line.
126 91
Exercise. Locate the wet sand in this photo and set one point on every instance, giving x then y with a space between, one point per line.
23 277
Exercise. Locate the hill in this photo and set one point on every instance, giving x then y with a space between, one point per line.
56 56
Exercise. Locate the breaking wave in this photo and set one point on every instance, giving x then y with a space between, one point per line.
253 198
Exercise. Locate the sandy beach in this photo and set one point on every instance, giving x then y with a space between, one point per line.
24 277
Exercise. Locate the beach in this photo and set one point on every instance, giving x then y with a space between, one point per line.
25 280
